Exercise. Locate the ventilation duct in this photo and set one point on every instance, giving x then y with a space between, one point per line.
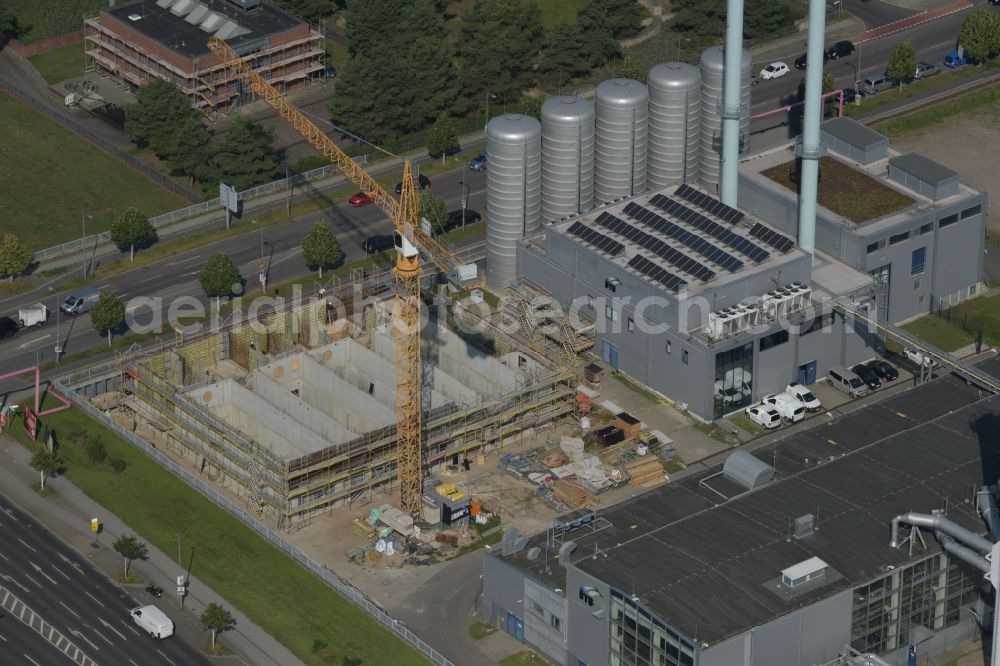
747 470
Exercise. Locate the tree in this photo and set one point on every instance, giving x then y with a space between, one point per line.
763 18
530 105
15 257
435 210
46 462
159 109
219 275
498 48
187 151
108 314
216 618
130 229
560 58
902 63
980 34
130 548
9 27
246 156
320 247
313 10
827 84
443 137
599 44
627 69
624 17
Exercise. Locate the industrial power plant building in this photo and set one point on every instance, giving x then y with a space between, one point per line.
780 558
138 42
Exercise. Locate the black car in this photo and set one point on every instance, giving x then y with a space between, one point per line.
422 180
838 50
883 370
376 244
800 62
867 375
850 94
455 217
8 327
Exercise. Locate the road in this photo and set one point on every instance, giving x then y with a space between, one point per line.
24 647
176 276
78 600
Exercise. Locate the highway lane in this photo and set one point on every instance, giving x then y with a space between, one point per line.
176 276
78 600
876 13
22 646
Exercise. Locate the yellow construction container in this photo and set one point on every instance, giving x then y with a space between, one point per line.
446 489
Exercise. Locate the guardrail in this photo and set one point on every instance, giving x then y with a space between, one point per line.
353 594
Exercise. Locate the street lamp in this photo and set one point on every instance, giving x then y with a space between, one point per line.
59 347
489 96
83 241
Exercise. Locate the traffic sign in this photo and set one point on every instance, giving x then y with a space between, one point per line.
95 525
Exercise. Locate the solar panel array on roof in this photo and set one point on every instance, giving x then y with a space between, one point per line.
657 273
659 247
714 229
696 243
597 239
779 242
709 203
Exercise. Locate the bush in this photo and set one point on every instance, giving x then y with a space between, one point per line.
96 453
118 465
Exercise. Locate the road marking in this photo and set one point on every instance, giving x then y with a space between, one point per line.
32 580
131 628
61 573
132 662
39 570
32 660
10 514
165 657
82 637
178 263
95 600
31 342
6 559
15 582
150 279
102 636
70 610
70 562
26 545
2 638
108 625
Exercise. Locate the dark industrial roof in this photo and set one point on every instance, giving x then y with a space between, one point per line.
853 133
923 168
176 33
700 562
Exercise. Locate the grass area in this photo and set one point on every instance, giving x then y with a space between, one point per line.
273 591
673 466
939 113
78 179
487 540
480 629
65 62
39 20
741 421
844 190
939 332
975 313
523 658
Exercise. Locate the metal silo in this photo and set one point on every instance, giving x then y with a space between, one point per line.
622 133
712 65
567 157
674 154
513 192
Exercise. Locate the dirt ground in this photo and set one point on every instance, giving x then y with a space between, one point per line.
968 144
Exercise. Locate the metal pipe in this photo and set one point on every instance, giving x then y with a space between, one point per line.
811 150
939 523
987 503
967 555
733 54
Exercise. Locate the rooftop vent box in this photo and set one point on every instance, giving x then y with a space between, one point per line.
134 17
804 526
803 572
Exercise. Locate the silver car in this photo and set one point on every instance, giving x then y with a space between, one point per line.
926 69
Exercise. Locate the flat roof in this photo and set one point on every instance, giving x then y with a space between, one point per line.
854 133
704 566
923 168
185 26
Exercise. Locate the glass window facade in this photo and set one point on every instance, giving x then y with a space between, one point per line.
929 593
640 639
917 261
774 339
733 379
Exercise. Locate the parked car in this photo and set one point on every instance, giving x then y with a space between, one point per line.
850 94
478 163
926 69
802 61
422 180
805 396
376 244
773 71
873 85
360 199
455 217
8 327
954 60
919 357
843 379
80 301
764 415
884 371
786 404
838 50
867 375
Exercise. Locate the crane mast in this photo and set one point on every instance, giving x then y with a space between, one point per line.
405 214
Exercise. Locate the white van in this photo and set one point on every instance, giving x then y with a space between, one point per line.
786 404
848 382
153 621
805 396
80 301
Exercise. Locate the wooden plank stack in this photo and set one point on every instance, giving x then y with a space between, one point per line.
645 470
573 496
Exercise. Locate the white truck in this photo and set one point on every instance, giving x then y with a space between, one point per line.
33 315
153 621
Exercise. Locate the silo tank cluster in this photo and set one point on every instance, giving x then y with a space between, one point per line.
513 193
567 157
712 65
674 154
622 110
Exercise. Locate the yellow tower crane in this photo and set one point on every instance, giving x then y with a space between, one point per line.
405 214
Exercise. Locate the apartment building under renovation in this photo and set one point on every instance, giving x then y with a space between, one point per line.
167 39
